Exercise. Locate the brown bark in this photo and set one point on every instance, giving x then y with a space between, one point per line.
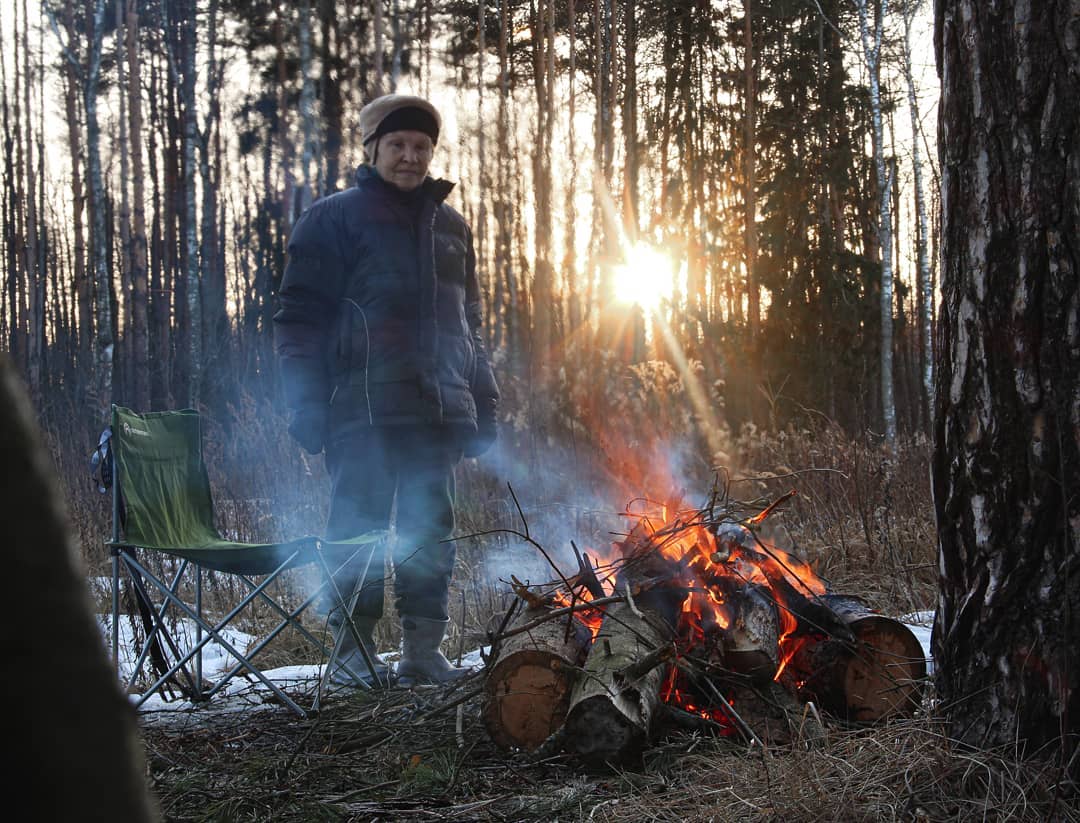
527 692
140 344
1007 461
753 311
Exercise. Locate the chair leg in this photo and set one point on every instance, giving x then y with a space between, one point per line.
330 581
214 633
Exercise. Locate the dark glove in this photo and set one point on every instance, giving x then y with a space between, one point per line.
487 431
308 428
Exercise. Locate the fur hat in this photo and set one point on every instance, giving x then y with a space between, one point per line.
398 112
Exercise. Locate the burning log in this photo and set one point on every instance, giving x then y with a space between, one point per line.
877 677
527 691
615 702
752 639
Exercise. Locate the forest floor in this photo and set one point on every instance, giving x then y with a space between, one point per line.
423 754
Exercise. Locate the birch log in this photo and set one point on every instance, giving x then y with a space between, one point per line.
527 693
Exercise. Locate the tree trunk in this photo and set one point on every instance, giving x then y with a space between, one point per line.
1006 468
101 396
871 43
83 287
140 346
309 182
34 266
629 122
922 240
753 303
217 364
123 258
188 48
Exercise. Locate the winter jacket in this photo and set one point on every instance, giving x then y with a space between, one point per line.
379 317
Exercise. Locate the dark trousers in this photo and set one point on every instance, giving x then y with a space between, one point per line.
368 470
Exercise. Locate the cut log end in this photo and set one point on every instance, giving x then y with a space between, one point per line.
527 693
878 677
528 698
883 678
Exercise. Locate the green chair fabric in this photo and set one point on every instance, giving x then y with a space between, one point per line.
167 501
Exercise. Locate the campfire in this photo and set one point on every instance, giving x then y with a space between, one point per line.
693 619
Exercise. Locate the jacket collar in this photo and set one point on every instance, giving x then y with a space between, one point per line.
432 188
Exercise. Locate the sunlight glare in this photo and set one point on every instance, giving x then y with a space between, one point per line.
646 278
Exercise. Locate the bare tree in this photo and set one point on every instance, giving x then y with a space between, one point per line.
872 35
922 240
140 345
89 77
309 183
750 174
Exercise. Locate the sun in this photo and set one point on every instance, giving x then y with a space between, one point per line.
646 278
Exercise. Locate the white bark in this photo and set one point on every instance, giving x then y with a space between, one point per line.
871 42
925 284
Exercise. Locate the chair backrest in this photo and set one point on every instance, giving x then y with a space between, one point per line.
163 479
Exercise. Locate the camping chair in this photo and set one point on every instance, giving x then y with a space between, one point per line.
161 504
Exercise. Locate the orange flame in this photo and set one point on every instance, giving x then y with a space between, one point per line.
709 561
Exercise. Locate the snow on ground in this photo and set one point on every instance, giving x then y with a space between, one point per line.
921 624
242 692
245 692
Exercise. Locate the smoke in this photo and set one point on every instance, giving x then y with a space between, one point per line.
558 496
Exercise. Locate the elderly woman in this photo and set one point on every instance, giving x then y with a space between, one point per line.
378 336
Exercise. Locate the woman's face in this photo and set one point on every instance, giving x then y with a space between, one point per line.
402 158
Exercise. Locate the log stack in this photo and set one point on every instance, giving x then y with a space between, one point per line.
734 616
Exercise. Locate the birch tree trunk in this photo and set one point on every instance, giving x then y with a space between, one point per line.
122 260
1006 468
871 43
922 240
379 26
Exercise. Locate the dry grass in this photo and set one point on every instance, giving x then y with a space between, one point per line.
423 755
865 523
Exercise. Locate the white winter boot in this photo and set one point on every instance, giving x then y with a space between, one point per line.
350 666
421 660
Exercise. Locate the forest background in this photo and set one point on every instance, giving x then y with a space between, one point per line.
709 237
700 226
